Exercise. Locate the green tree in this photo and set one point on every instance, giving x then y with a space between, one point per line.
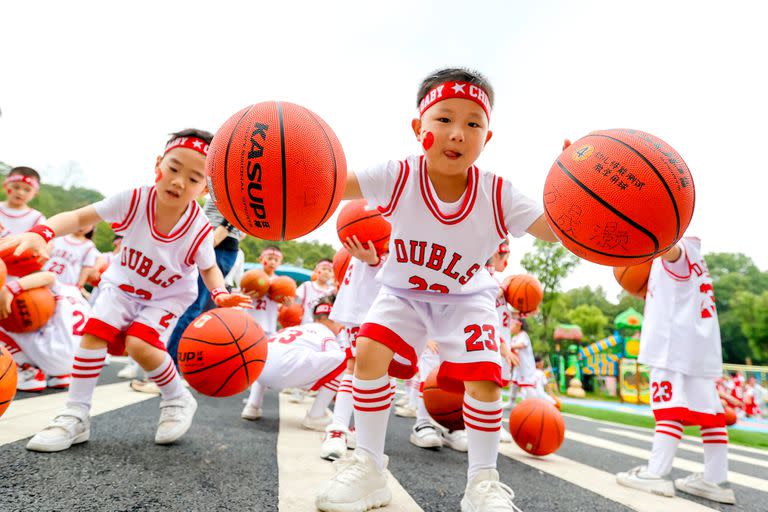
592 321
301 254
752 311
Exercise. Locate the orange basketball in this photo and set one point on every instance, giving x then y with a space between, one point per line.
289 316
730 416
3 273
222 352
282 287
357 219
23 264
276 170
619 197
30 310
445 407
340 264
255 280
634 279
7 379
524 293
537 426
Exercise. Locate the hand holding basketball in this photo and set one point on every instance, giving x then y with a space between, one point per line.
232 300
364 252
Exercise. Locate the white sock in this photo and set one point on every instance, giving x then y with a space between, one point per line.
422 416
665 441
483 425
256 396
167 379
412 386
715 454
86 369
342 411
372 402
323 399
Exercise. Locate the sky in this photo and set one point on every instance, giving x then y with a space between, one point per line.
90 91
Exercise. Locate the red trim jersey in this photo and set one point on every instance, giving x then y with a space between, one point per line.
308 295
151 265
14 221
503 310
69 256
356 293
437 251
680 330
265 312
313 336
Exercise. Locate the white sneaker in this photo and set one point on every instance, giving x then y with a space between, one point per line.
356 486
71 426
406 411
696 485
129 371
175 418
145 386
59 381
30 378
426 436
506 437
250 412
400 402
334 443
456 440
297 396
317 423
639 478
484 493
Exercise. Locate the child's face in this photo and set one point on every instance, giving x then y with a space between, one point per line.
453 133
324 274
19 194
181 177
271 262
515 325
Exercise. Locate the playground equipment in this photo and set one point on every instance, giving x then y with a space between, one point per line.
566 332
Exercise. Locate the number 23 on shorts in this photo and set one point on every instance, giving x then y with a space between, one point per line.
662 391
481 337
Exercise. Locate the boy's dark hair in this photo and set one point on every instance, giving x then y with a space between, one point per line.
25 171
89 235
454 75
192 132
328 299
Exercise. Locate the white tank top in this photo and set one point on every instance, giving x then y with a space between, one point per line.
526 370
152 266
13 221
503 311
680 329
356 293
438 255
69 256
314 336
265 312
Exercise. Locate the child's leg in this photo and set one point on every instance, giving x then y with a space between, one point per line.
256 395
158 365
715 441
372 397
342 411
86 368
482 418
665 441
323 399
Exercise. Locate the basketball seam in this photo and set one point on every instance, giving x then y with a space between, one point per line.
541 430
282 160
610 207
8 368
236 339
335 169
226 166
372 215
223 360
515 292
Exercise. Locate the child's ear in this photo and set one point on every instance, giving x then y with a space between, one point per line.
488 137
416 126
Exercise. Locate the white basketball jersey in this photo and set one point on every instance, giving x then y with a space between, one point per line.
13 221
314 336
437 251
502 309
680 329
153 266
265 312
69 256
308 295
524 373
356 293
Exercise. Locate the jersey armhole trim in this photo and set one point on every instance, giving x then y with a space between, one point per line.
132 209
498 212
397 191
189 260
674 276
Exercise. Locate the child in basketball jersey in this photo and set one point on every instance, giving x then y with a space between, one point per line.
46 353
72 258
309 293
21 186
166 239
680 342
448 218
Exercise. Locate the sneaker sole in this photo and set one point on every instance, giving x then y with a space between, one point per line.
667 492
31 390
60 447
250 418
452 447
728 500
378 498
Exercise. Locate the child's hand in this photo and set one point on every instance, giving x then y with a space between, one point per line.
6 297
23 242
432 346
231 300
510 356
361 252
287 301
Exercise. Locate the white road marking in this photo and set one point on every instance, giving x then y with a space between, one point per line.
302 472
685 446
27 417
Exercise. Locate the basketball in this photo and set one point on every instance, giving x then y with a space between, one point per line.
619 197
3 273
282 287
276 170
289 316
222 352
730 415
30 310
634 279
256 281
524 293
357 219
340 264
23 264
537 426
445 407
7 379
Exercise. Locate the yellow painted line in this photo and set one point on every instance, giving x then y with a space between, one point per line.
27 417
302 472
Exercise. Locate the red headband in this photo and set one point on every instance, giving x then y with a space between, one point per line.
463 90
29 180
271 252
323 264
323 309
192 143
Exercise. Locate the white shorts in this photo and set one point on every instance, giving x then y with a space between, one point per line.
296 367
684 398
466 334
117 314
427 363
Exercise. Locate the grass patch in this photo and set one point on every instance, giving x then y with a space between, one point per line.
741 437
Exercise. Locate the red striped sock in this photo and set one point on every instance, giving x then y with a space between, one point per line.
167 379
483 423
372 400
665 441
342 411
86 369
715 454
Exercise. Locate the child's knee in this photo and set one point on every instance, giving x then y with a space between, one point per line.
483 390
373 358
148 356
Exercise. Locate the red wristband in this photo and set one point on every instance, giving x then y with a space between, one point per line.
216 292
44 231
14 287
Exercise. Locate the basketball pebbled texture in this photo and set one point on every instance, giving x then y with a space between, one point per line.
8 376
30 310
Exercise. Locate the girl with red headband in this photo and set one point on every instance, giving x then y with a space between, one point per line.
166 241
310 292
21 186
448 217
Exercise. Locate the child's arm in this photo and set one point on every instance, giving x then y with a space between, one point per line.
357 250
13 288
541 230
352 189
673 254
214 281
61 224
